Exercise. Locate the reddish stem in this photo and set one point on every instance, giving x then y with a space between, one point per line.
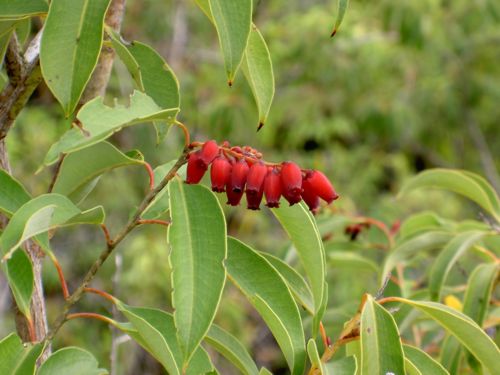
107 236
153 221
31 330
187 138
151 175
90 316
62 280
101 293
323 335
380 225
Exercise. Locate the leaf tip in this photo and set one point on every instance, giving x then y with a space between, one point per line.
261 124
230 82
333 33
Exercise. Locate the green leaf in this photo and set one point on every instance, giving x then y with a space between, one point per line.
40 215
232 349
381 350
19 273
294 280
232 20
265 371
258 69
464 329
18 358
81 168
312 351
12 194
409 248
344 259
451 354
120 47
70 47
345 366
478 292
197 237
71 360
447 258
100 122
156 332
22 8
420 222
302 230
425 364
342 8
269 294
464 183
160 204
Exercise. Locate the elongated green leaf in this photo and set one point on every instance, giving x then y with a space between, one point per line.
478 292
22 8
407 249
312 351
294 280
448 257
269 294
160 204
40 215
451 354
344 259
302 230
12 194
232 349
197 237
342 8
265 371
423 221
464 329
70 47
425 364
155 331
19 272
381 350
82 167
120 47
232 20
464 183
71 360
18 358
258 69
345 366
100 122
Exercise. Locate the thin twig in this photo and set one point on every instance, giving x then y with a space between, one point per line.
77 294
153 221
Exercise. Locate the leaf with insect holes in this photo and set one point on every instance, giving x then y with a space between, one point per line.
70 47
268 293
18 358
232 21
99 122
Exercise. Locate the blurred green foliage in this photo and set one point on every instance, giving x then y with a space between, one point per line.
402 87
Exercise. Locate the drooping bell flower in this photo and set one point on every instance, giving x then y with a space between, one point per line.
291 179
255 185
233 198
272 188
220 173
196 168
209 152
239 176
322 186
309 195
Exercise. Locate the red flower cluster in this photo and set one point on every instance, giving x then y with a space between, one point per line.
239 170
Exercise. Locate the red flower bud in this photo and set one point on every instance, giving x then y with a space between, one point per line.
272 187
239 176
291 178
309 195
322 186
209 152
196 168
255 185
220 173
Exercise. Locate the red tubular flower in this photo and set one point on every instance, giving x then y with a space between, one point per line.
233 198
309 195
196 168
239 176
291 178
322 186
255 185
220 173
209 152
272 187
